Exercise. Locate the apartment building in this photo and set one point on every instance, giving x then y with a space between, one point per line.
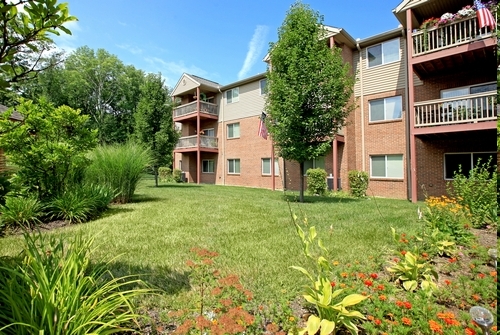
426 103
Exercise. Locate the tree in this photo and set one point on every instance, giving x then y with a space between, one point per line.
48 147
25 27
309 89
154 123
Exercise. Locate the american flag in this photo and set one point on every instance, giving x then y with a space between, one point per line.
262 126
484 16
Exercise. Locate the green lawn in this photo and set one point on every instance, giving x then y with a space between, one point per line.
251 229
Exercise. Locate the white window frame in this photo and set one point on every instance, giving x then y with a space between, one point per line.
263 90
384 62
208 130
386 167
386 117
211 167
493 153
232 95
233 125
276 167
231 165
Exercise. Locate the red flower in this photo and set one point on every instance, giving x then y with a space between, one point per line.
399 303
407 305
447 282
481 275
378 322
470 331
332 284
403 252
452 260
374 275
368 283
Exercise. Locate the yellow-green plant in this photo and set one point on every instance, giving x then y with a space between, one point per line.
414 271
330 306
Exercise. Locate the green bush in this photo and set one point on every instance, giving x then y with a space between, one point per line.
164 173
81 203
358 183
56 290
316 181
119 167
177 176
477 192
5 187
21 211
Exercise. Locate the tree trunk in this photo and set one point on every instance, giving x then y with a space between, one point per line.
301 187
155 172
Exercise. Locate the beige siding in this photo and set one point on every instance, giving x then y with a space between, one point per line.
250 103
184 85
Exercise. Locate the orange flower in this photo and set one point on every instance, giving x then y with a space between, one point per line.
344 274
380 287
435 327
370 318
476 297
452 260
481 275
399 303
406 321
407 305
382 297
493 273
472 266
470 331
378 322
403 252
447 282
361 275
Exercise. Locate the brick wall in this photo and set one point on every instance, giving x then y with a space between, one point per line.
430 156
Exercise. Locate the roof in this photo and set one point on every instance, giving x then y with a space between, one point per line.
188 82
204 81
14 116
244 81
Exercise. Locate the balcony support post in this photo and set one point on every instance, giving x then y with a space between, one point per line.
198 138
411 110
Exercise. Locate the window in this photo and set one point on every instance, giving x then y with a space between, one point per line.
233 130
266 167
386 166
316 163
263 86
208 132
386 109
180 165
207 166
233 95
383 53
233 166
466 161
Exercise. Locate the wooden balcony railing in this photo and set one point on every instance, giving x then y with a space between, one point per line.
205 107
452 34
465 109
187 142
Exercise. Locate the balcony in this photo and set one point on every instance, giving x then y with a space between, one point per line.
473 108
207 110
188 143
450 35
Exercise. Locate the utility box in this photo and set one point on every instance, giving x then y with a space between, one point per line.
329 183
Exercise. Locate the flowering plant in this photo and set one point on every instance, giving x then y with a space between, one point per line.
466 11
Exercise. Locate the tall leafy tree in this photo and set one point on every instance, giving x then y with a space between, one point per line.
154 122
49 147
25 28
309 89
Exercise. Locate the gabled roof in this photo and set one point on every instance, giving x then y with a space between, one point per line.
14 116
424 9
189 82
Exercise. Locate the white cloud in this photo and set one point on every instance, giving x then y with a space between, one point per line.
255 48
65 42
171 71
130 48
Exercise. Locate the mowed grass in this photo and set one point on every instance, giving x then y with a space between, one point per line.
251 229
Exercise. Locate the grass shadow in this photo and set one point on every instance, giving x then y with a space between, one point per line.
139 198
320 199
115 209
163 278
173 185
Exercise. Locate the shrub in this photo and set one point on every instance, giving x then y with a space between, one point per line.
358 183
316 181
477 192
81 203
5 188
21 211
119 167
72 296
164 173
177 176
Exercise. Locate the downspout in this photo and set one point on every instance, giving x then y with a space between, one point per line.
407 124
223 138
363 159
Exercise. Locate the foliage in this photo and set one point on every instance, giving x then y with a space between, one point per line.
22 212
358 183
316 181
55 289
118 166
332 312
81 203
177 175
25 36
477 192
5 187
154 123
164 173
449 217
309 89
48 147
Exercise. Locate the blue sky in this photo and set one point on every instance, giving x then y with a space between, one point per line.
220 40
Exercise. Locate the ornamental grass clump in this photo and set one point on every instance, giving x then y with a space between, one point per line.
55 289
24 212
119 167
